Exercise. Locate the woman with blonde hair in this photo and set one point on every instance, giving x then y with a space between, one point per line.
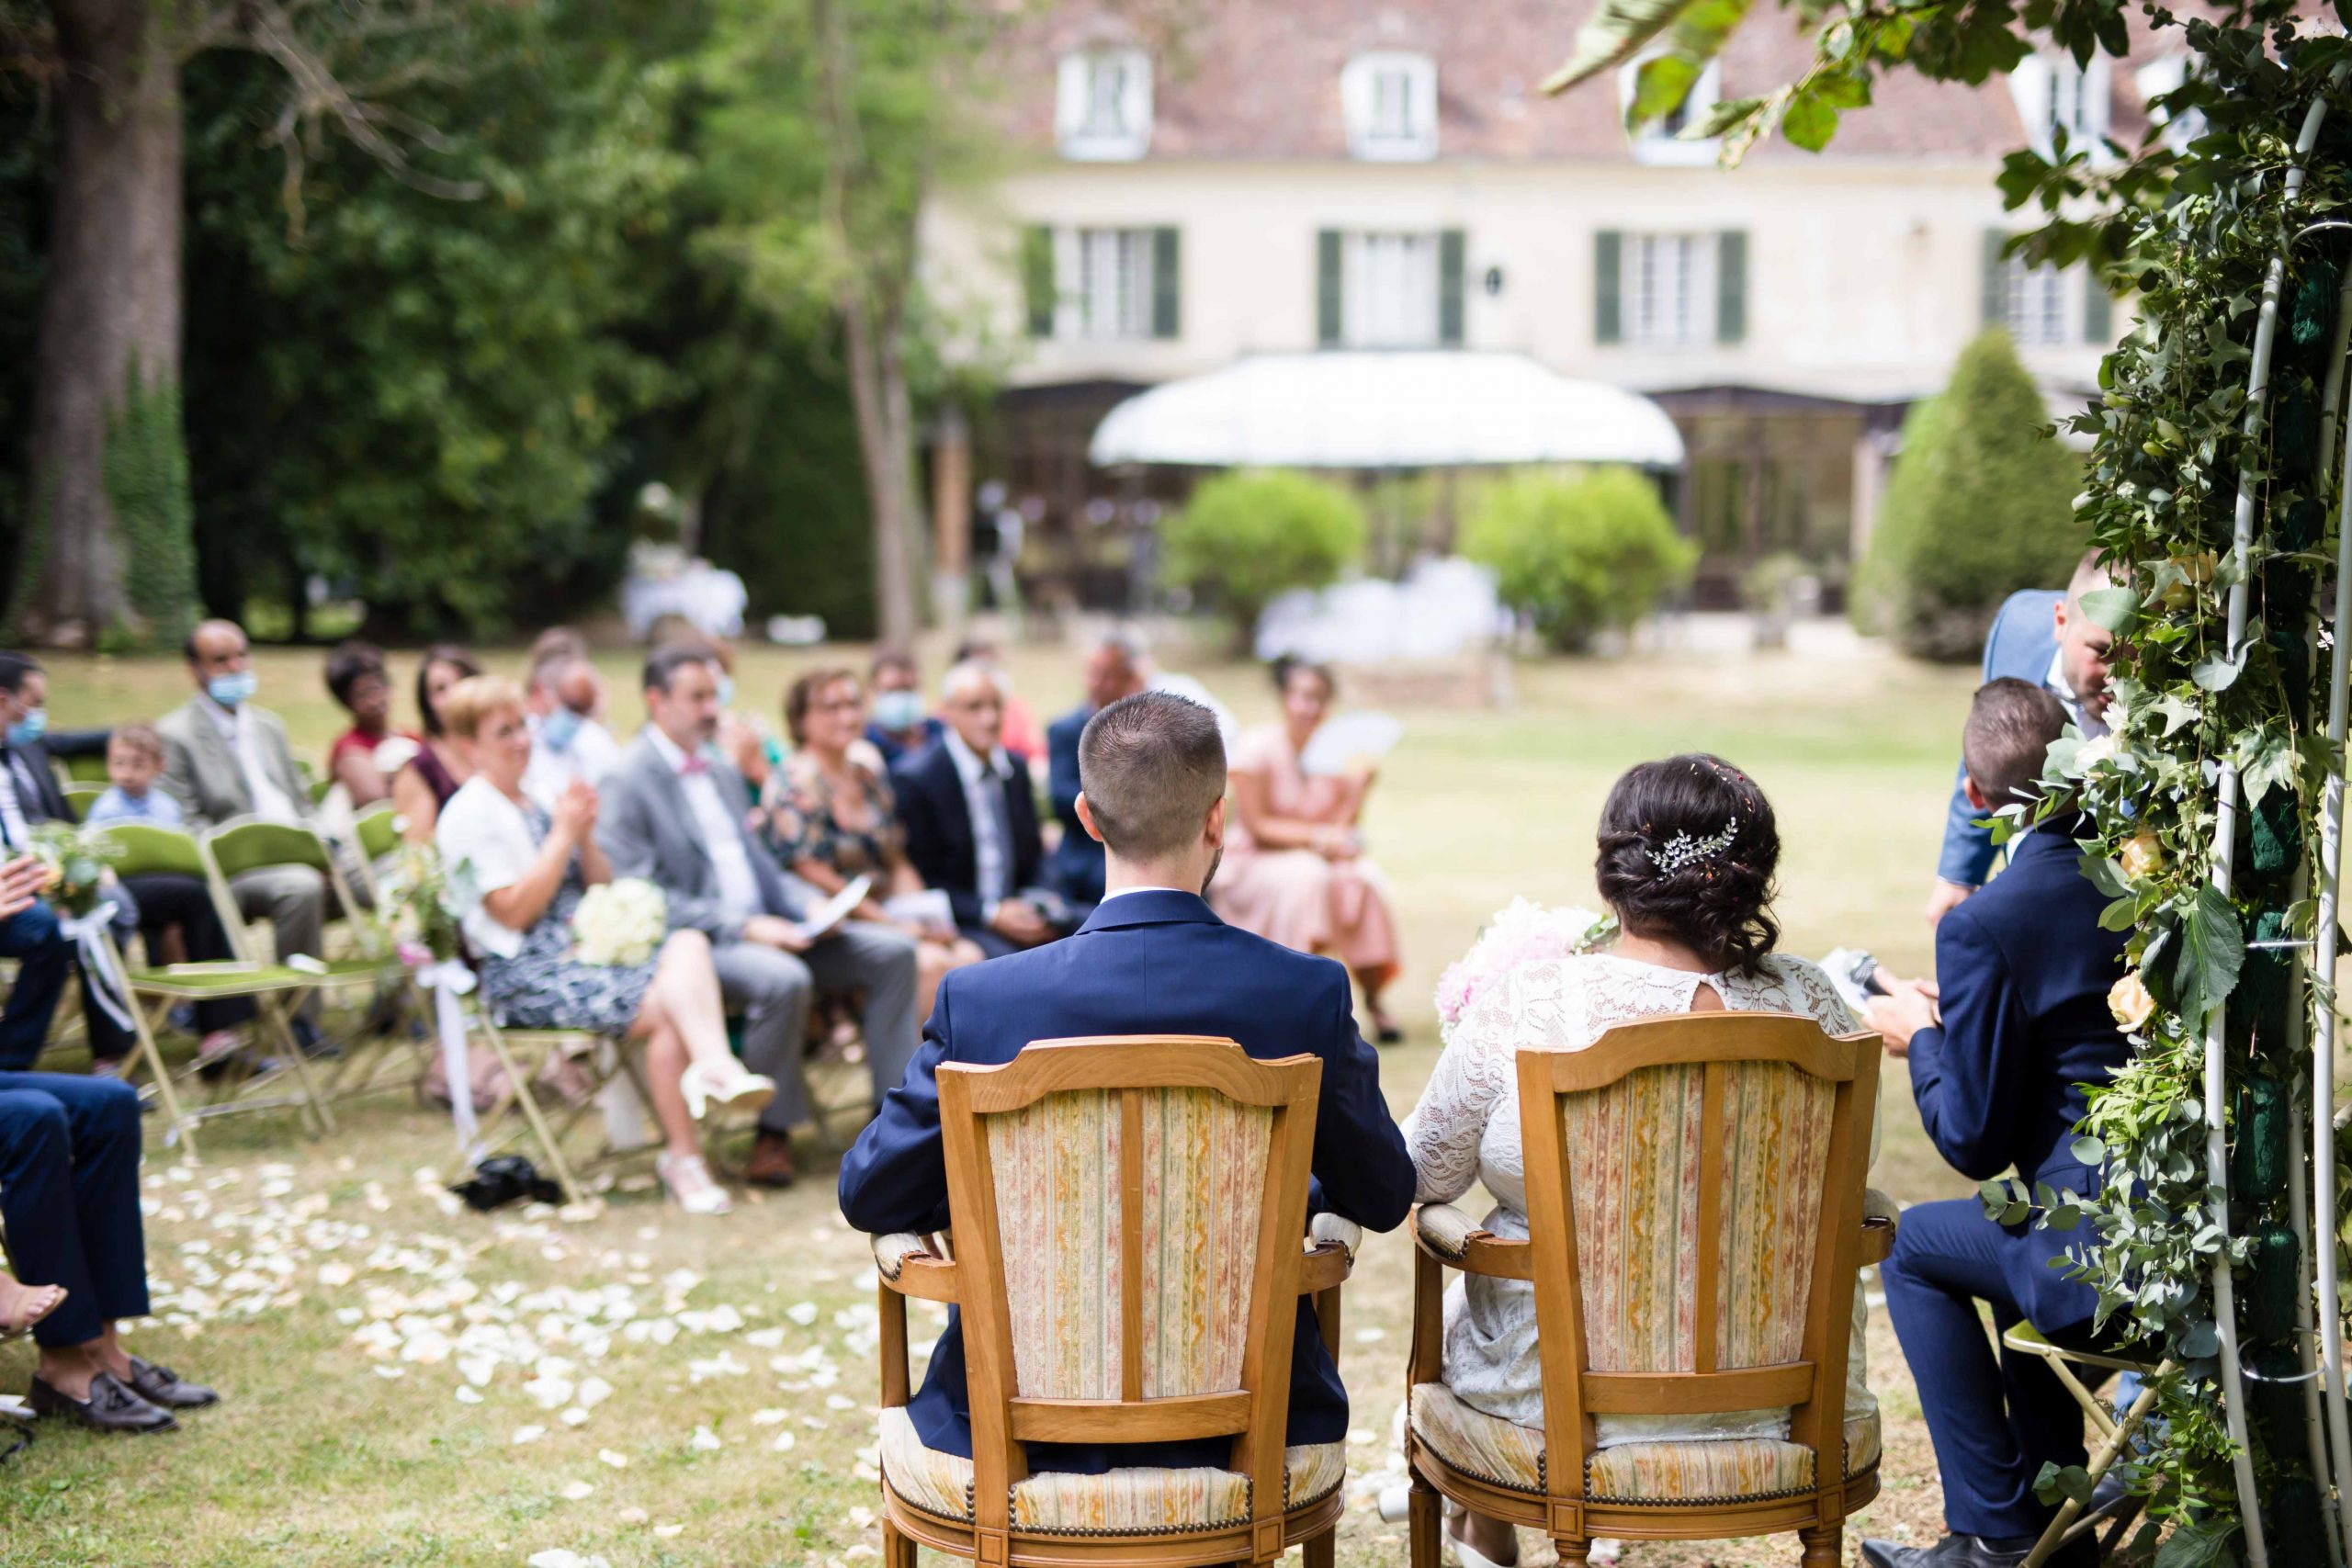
831 818
519 872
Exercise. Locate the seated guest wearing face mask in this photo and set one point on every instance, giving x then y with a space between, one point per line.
900 725
568 742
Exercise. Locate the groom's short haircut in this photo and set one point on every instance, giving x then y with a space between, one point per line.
2011 727
1151 766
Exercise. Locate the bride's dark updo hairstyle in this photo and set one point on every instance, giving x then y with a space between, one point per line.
1716 901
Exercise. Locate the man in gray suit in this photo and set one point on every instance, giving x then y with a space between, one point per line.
224 758
674 813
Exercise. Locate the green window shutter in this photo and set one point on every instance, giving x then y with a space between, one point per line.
1731 285
1167 284
2099 310
1038 278
1996 282
1449 248
1608 313
1326 288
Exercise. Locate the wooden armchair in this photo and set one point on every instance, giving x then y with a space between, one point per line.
1713 1167
1128 1264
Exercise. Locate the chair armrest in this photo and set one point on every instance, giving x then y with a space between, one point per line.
1330 1254
1329 1227
1882 1216
909 1266
1455 1239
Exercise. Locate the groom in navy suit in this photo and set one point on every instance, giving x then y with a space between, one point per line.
1152 960
2023 970
2043 639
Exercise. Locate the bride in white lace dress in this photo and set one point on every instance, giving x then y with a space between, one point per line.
1687 850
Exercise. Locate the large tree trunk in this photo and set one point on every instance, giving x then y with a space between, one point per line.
110 308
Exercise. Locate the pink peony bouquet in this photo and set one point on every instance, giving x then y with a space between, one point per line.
1520 934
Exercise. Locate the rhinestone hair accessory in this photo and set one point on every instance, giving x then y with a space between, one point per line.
1683 850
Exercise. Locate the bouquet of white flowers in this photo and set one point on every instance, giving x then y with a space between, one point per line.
412 900
620 922
1519 933
77 858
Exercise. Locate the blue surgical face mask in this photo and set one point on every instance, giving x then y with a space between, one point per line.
559 729
30 729
726 691
230 690
898 712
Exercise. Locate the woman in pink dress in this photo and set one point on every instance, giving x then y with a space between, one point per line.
1294 870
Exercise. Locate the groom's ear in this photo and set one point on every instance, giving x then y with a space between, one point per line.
1976 797
1086 819
1214 829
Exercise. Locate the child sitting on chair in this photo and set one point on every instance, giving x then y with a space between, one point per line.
134 761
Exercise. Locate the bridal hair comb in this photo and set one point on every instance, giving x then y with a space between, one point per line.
1683 850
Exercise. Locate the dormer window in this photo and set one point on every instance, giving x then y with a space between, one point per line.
1390 101
1103 106
1659 141
2058 99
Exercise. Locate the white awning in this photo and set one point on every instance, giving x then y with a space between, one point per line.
1385 410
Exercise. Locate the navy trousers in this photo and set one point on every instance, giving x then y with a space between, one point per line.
1996 1418
45 961
69 1194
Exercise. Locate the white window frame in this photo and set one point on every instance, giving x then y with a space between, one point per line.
1102 105
2050 91
1388 100
2041 307
1665 290
1103 283
2155 79
1658 142
1390 281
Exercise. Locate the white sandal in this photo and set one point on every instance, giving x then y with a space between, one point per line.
705 1084
690 1184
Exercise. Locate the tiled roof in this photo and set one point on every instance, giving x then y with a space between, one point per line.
1259 79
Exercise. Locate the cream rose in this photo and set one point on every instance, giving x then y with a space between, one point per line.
2129 1000
2142 855
2092 752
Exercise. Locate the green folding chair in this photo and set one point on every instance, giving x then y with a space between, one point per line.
155 990
249 845
80 797
91 769
375 833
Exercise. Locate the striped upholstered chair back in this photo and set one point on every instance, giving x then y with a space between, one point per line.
1128 1222
1694 1208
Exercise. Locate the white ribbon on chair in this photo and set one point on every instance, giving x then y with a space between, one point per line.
448 979
88 933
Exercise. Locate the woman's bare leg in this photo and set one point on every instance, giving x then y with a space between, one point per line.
665 1064
688 988
1495 1539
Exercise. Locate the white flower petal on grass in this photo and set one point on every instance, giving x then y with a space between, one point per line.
784 1443
593 1392
669 1532
633 1516
527 1434
467 1395
548 1392
802 1313
770 1417
765 1338
348 1316
614 1456
575 1416
835 1402
334 1275
861 1518
1370 1336
859 1552
704 1440
563 1559
388 1373
577 1490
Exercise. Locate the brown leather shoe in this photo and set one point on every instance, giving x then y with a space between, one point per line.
164 1388
771 1161
111 1407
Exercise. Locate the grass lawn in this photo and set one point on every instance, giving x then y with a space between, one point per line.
406 1384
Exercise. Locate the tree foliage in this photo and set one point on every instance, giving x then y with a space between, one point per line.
1581 556
1250 534
1981 505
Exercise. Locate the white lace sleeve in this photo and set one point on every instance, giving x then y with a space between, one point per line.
1811 991
1443 1133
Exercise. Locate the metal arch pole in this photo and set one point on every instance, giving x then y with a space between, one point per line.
2331 869
2217 1159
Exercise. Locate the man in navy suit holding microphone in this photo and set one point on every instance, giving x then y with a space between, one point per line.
2043 639
1152 959
2002 1047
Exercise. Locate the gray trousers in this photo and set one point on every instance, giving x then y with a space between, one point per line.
772 990
293 898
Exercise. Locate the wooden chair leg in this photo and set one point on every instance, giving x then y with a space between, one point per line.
1423 1523
1824 1545
1322 1550
1576 1551
898 1547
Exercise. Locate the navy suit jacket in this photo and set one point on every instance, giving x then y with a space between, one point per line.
1078 859
2024 970
2023 642
1147 963
939 827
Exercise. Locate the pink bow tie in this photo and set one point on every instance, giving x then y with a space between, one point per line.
693 765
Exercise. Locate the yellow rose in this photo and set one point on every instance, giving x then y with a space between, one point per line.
2129 1000
2143 856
